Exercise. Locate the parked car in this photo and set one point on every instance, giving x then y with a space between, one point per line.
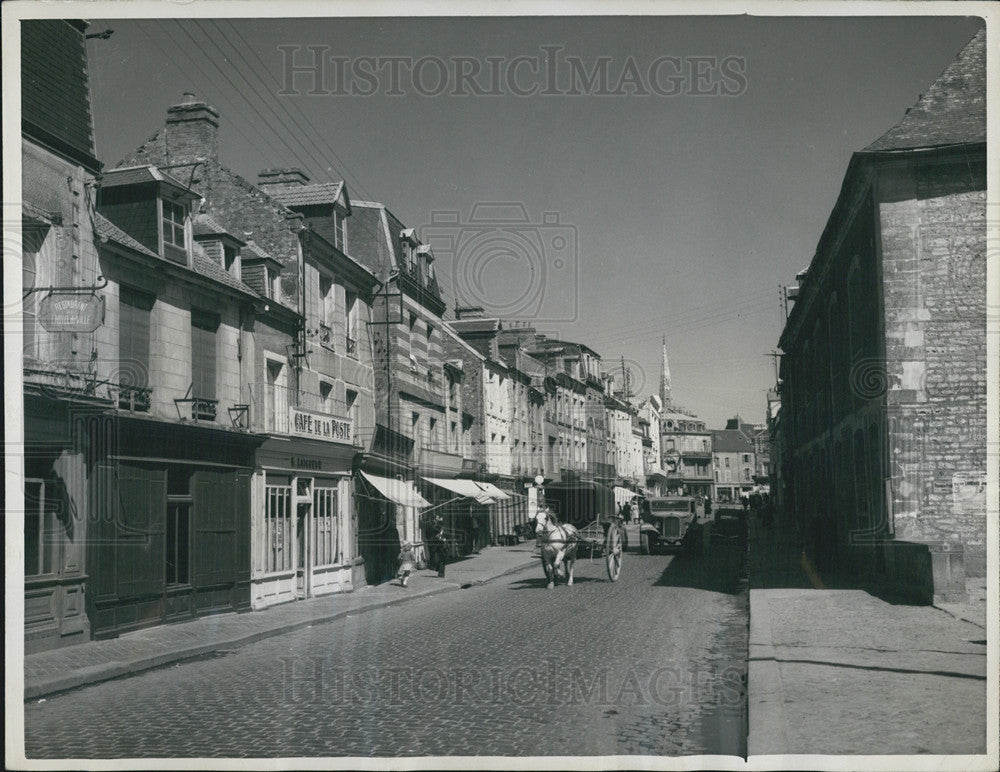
673 522
730 524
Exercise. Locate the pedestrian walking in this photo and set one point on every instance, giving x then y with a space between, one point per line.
633 511
405 563
436 544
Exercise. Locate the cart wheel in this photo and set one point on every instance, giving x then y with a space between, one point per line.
644 543
613 552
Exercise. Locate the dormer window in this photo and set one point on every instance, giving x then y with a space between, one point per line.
231 261
339 231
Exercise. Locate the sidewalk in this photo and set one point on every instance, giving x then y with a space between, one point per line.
840 671
54 671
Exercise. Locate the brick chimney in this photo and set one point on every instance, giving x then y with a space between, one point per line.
469 312
279 179
192 131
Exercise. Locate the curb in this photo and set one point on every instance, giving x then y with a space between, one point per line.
767 726
47 685
959 617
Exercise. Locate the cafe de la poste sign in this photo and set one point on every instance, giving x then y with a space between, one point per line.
320 426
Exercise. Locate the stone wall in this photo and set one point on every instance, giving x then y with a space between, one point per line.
933 221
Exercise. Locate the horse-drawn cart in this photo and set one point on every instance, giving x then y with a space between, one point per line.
590 508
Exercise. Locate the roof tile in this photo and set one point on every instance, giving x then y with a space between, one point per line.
951 112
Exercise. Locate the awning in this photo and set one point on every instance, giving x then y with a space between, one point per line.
466 488
397 491
493 491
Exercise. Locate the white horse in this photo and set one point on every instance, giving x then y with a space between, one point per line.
558 544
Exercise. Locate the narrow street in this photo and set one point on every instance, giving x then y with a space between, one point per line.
653 664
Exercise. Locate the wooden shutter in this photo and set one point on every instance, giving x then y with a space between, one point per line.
139 546
204 327
133 336
214 523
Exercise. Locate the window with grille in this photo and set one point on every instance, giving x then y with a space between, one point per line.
278 534
325 527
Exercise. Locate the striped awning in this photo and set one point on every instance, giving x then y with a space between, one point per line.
493 491
466 488
399 492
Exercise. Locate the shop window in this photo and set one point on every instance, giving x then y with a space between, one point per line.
325 526
178 537
42 529
277 541
177 553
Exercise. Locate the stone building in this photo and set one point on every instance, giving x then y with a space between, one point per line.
686 450
733 461
421 425
883 378
67 368
308 383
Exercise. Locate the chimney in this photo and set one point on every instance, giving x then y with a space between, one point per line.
192 131
279 179
469 312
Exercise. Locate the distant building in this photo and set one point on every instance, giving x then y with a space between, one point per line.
686 450
733 460
883 378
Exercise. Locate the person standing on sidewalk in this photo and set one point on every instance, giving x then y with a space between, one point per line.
436 544
405 563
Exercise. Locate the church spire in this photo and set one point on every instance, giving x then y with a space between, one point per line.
666 394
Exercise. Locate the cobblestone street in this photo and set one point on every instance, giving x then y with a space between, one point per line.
652 664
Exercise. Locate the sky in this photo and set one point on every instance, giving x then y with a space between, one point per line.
658 204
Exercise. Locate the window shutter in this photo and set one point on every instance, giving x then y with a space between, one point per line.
133 337
203 333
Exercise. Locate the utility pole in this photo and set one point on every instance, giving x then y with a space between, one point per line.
774 355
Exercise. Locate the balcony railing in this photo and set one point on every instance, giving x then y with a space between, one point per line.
271 403
134 399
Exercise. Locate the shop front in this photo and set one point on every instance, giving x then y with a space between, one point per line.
55 519
303 532
465 507
169 530
388 504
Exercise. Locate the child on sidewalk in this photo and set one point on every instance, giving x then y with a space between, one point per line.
405 563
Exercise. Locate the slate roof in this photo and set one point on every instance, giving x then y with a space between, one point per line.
730 441
108 231
369 242
204 224
133 175
55 90
208 269
952 111
308 195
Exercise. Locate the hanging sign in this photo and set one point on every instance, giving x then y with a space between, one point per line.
70 312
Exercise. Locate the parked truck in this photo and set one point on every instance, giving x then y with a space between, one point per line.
674 522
